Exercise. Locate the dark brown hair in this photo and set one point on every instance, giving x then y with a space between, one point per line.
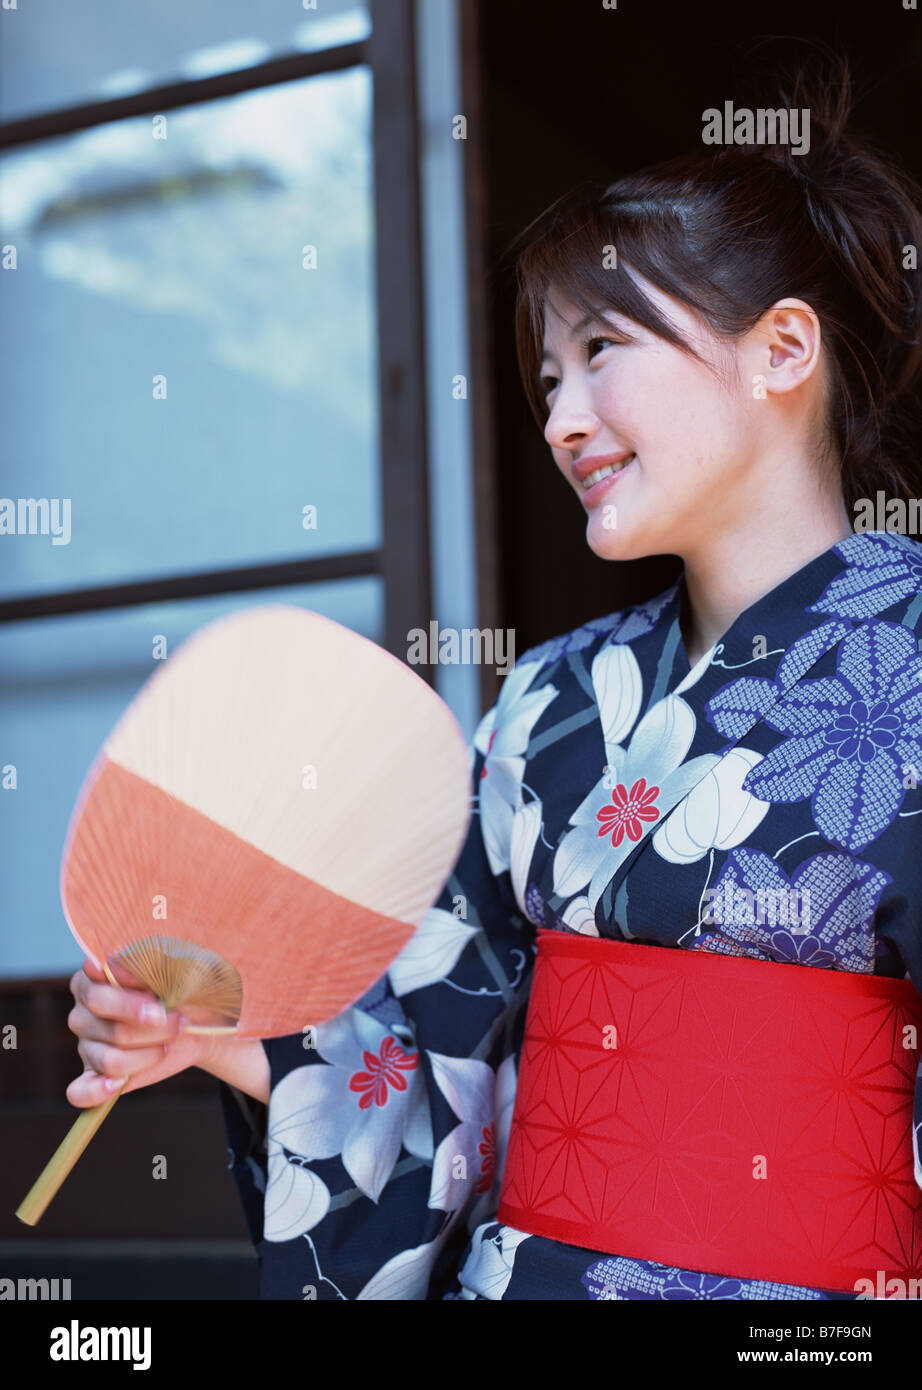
729 231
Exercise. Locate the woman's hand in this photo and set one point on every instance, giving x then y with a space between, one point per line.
117 1043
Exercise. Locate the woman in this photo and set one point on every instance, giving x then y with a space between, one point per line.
730 771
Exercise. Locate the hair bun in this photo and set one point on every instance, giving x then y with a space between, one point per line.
823 93
862 205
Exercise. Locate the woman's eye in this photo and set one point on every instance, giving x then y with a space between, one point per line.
591 342
548 383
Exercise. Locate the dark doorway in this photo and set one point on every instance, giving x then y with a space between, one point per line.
581 92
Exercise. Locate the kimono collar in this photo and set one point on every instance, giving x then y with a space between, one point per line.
862 596
870 574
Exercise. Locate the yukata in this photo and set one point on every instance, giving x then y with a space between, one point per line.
615 788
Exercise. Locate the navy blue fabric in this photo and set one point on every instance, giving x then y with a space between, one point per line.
617 792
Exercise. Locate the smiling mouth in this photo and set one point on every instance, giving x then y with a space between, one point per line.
606 472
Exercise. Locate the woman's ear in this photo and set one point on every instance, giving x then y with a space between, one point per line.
785 345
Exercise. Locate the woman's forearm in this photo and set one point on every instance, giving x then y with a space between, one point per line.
241 1062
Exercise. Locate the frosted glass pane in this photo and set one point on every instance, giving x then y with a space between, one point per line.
57 53
179 373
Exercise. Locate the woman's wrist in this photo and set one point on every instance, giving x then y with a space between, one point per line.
242 1063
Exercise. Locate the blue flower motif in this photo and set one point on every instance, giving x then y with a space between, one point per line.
617 1277
823 915
850 737
862 732
736 706
534 906
883 567
698 1286
800 950
622 626
381 1003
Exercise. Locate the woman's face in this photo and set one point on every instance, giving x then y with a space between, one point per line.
690 431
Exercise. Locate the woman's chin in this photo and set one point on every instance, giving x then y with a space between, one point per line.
615 543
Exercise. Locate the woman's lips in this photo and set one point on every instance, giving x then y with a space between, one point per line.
592 494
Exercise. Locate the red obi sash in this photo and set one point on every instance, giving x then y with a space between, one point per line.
717 1113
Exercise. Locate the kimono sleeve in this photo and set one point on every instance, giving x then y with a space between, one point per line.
381 1147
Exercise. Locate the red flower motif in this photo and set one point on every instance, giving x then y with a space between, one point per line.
382 1070
629 808
483 770
488 1166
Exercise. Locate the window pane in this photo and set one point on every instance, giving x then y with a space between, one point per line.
56 53
64 682
179 264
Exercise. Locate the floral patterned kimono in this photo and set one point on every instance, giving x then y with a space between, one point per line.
616 791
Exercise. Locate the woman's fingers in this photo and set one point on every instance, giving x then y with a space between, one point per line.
89 1026
117 969
118 1061
142 1067
122 1031
124 1034
93 1089
125 1005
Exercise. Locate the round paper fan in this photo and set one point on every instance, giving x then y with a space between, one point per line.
267 824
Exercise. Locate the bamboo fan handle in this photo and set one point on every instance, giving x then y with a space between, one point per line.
33 1205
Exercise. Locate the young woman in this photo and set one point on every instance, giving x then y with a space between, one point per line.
705 810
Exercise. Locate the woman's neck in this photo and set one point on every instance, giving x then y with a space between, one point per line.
731 573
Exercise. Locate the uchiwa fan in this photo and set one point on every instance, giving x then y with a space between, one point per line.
259 836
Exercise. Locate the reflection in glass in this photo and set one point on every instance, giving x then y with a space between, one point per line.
57 54
190 337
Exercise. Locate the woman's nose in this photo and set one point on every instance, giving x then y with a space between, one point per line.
569 422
